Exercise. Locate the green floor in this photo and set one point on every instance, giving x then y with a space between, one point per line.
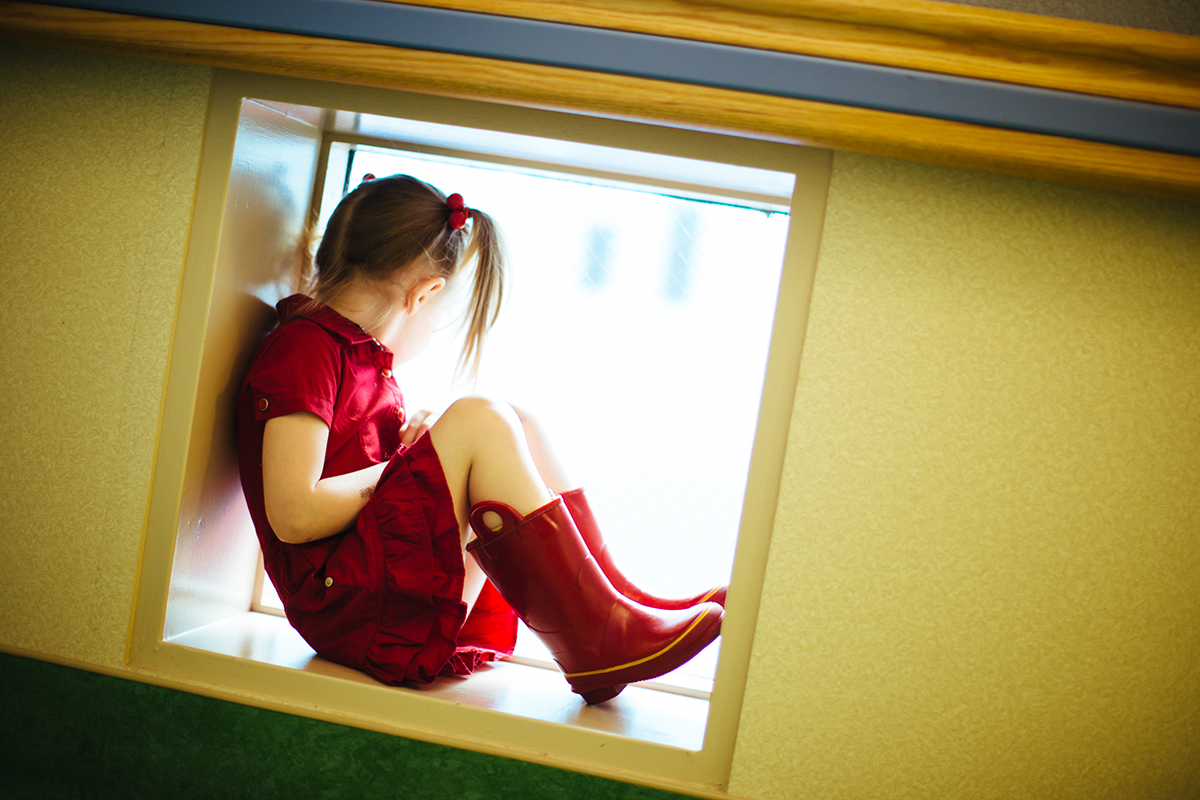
65 733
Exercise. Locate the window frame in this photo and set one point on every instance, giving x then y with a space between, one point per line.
329 188
375 706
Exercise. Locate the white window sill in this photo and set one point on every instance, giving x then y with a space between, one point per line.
638 712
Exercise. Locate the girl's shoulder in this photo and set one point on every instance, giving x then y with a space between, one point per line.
307 326
308 346
297 344
298 367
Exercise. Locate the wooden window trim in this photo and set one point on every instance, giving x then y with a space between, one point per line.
1051 53
946 38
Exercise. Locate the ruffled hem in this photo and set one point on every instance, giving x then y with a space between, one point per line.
466 660
423 630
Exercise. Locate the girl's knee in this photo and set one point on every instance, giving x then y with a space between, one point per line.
471 426
475 429
478 410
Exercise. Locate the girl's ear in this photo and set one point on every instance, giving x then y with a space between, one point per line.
422 290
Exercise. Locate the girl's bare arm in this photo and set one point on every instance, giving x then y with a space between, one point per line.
301 506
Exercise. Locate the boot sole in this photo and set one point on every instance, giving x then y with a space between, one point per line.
601 695
699 635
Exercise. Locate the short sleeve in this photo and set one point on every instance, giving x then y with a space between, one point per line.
297 369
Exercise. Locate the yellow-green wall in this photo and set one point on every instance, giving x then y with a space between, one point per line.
98 164
983 578
985 574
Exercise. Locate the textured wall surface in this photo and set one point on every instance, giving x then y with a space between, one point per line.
983 579
1172 16
99 157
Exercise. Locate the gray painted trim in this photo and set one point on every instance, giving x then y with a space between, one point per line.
1001 105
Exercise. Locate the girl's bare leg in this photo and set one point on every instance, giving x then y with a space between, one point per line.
555 476
485 456
473 583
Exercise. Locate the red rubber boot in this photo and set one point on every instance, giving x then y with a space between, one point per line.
599 638
581 512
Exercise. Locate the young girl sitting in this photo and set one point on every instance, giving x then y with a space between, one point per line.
364 511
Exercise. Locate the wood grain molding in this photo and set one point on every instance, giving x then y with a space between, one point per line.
740 113
938 37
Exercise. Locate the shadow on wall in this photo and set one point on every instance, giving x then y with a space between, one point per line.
274 163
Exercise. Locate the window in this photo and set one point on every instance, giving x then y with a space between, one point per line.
636 330
269 143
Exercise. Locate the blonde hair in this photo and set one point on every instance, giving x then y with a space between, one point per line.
385 226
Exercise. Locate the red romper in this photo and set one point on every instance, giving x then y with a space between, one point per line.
384 596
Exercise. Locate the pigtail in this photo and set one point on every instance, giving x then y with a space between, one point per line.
305 271
487 292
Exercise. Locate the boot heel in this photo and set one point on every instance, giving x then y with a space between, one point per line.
600 695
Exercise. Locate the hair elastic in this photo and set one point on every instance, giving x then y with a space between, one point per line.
458 211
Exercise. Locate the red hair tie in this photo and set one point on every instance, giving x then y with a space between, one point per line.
458 211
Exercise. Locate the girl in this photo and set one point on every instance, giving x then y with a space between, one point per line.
364 513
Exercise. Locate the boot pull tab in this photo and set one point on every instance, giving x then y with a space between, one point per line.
508 519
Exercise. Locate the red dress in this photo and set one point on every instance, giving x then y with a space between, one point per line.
384 596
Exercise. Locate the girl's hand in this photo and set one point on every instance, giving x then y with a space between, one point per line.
417 425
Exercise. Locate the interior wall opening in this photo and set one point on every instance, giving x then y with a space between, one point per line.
267 156
636 330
